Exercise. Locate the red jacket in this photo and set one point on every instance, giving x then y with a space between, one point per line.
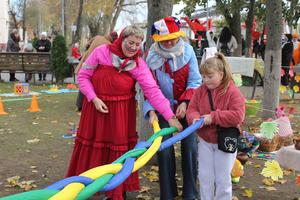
75 52
229 110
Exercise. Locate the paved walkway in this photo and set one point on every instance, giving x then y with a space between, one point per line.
21 78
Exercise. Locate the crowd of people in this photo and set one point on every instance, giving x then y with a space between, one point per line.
41 44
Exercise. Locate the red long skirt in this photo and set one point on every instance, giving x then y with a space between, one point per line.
102 138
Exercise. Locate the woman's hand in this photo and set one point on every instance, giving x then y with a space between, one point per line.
181 110
174 122
100 105
207 120
152 116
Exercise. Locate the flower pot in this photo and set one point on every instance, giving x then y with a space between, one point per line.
252 107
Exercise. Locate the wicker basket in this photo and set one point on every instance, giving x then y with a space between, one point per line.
286 141
267 145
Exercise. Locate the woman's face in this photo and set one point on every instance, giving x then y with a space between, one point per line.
168 44
213 79
131 45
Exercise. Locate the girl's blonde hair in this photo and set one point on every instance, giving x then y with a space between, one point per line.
218 63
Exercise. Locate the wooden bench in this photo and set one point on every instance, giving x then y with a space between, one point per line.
27 62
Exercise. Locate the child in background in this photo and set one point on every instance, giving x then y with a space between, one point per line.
247 144
215 166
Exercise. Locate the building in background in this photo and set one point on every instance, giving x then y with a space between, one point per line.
4 23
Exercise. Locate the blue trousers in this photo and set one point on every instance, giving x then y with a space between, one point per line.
167 166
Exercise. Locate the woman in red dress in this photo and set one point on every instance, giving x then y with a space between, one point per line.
107 127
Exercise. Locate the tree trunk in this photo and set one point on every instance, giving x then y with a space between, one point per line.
65 22
78 23
157 9
118 9
272 58
249 25
24 20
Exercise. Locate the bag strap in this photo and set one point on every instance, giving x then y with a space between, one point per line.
210 100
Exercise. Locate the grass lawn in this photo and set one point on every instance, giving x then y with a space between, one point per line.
32 147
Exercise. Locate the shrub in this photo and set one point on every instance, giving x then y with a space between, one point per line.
59 58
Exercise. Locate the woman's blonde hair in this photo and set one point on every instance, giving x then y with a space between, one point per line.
133 30
218 63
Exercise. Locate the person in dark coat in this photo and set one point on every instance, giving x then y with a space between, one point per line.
43 45
13 46
286 58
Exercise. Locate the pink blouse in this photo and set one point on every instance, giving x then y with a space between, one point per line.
142 74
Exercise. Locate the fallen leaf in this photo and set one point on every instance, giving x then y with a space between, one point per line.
32 167
268 182
35 140
247 193
35 123
142 196
249 163
298 180
257 166
151 176
54 156
288 172
144 189
273 170
154 168
271 189
235 198
13 181
47 133
34 171
54 121
281 181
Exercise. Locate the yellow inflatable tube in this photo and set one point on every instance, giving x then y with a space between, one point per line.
71 191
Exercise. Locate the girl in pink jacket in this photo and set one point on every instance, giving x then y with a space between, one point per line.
107 127
229 104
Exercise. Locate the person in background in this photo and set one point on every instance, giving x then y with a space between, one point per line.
295 37
75 51
215 165
28 47
262 49
227 42
43 45
256 48
247 144
211 40
13 46
243 46
91 45
174 65
107 127
287 49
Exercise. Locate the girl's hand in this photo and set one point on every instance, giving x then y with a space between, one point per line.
152 116
181 110
100 105
174 122
207 120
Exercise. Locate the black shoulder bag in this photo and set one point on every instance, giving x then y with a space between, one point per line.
227 136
